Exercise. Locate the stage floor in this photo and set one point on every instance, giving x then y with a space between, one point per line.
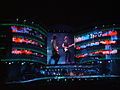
93 77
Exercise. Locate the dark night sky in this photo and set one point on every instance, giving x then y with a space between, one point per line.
75 14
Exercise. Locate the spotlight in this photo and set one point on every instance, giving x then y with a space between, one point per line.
32 22
54 73
108 61
100 61
95 26
65 79
9 63
31 63
103 25
17 19
24 20
22 63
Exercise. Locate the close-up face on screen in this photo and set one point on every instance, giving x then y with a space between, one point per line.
60 48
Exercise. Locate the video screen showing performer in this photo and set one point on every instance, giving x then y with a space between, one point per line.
67 49
60 48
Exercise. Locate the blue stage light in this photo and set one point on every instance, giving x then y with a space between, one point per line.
108 61
54 73
100 62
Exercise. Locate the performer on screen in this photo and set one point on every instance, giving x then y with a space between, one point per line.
66 46
55 52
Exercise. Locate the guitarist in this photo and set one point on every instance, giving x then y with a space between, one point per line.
55 53
67 51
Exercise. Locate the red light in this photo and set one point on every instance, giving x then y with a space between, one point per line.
81 56
108 42
77 56
14 31
15 51
27 52
112 33
23 40
105 34
106 52
78 48
41 55
17 40
97 52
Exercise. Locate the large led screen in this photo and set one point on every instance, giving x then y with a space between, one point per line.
60 48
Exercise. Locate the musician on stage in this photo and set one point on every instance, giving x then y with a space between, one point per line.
55 53
66 46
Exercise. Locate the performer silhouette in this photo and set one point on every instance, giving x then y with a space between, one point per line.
66 46
55 52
